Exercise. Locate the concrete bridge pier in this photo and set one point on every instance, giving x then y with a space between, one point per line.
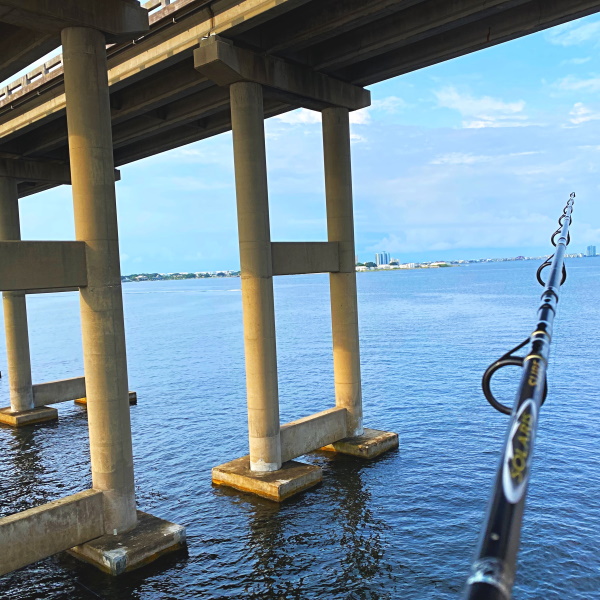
105 363
269 470
22 410
257 275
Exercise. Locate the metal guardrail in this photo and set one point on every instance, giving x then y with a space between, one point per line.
34 77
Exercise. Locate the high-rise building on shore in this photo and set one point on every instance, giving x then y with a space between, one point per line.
591 250
382 258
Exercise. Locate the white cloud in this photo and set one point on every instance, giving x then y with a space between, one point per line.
573 34
360 117
302 116
483 111
576 61
391 104
461 158
582 114
571 83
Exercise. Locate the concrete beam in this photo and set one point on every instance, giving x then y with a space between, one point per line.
222 62
34 170
511 24
62 390
413 24
310 433
42 265
37 533
118 19
185 134
299 258
321 21
18 51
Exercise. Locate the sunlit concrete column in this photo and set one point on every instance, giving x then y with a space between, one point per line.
247 119
15 309
93 183
340 228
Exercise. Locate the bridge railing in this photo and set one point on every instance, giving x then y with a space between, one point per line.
38 75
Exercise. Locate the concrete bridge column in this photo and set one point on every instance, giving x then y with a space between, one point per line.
22 410
257 275
105 363
124 546
340 228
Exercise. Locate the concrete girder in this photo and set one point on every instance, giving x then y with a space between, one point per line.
222 62
534 16
186 134
299 258
45 530
35 170
18 51
42 265
191 108
118 19
414 24
313 24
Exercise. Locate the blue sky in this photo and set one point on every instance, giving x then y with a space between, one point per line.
471 158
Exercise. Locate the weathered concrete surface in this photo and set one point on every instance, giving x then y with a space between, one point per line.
370 444
307 434
291 479
83 400
42 265
101 303
297 258
61 390
33 534
116 554
222 62
27 417
342 285
256 274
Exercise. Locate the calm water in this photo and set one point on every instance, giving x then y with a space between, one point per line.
403 526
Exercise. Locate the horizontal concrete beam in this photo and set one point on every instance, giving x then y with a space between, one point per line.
34 534
222 62
119 19
299 258
62 390
34 170
310 433
32 186
42 265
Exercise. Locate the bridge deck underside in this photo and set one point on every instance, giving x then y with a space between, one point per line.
160 102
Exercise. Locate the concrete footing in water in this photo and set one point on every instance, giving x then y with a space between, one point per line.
370 444
291 479
132 399
116 554
27 417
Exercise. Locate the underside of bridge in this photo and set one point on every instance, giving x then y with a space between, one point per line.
135 81
159 101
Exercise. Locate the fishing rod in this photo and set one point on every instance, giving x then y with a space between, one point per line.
493 571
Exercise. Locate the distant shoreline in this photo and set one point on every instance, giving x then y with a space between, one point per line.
137 277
